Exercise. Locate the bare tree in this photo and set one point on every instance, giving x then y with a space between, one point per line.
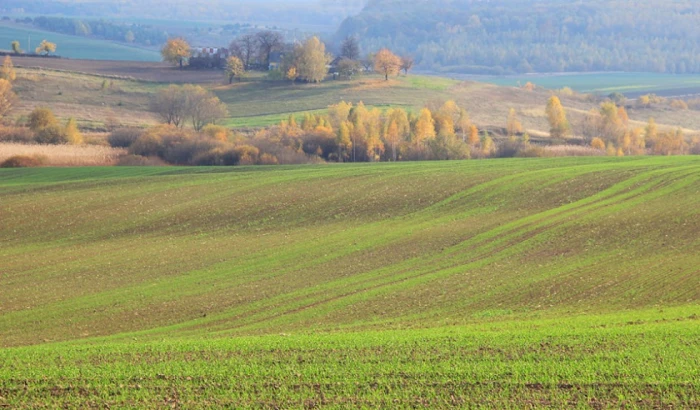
348 67
170 104
268 41
368 62
407 64
203 107
245 48
350 48
176 104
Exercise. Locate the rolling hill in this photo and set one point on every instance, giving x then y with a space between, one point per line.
74 88
74 46
524 36
505 282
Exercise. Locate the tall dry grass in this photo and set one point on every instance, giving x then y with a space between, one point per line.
572 151
64 155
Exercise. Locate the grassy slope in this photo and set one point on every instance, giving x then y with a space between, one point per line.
281 249
557 273
84 98
605 83
257 103
262 103
75 46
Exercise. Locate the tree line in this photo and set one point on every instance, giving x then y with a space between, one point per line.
129 33
520 36
608 129
306 61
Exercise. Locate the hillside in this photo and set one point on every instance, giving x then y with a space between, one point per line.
248 251
504 283
76 88
521 36
74 46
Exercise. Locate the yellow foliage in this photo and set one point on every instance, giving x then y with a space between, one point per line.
234 68
387 63
175 51
217 132
610 150
679 105
559 124
7 97
7 71
473 138
46 47
566 91
73 135
425 126
514 126
41 118
598 143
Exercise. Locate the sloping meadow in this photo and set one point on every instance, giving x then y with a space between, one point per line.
150 274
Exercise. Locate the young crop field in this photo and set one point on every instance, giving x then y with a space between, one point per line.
74 46
630 84
260 102
568 282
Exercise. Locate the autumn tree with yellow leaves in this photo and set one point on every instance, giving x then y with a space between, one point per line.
176 51
556 115
46 47
234 68
514 126
7 71
387 63
7 97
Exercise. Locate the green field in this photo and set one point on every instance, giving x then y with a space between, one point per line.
75 46
555 283
260 103
605 83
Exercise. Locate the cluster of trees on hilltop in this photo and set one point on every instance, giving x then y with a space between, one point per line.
517 36
306 61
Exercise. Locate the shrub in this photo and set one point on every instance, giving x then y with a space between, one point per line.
510 149
41 118
123 137
695 146
532 151
217 132
73 135
184 148
598 143
679 105
149 144
275 75
140 161
247 155
319 143
16 134
53 134
566 91
267 159
216 157
23 161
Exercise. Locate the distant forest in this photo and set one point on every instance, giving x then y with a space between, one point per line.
519 36
328 13
130 33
